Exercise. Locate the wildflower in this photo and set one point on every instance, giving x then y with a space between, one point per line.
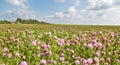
34 43
44 46
61 41
67 62
48 52
77 62
118 60
23 63
114 52
93 41
48 46
102 59
55 37
9 55
60 44
97 54
108 60
6 50
90 45
17 54
42 54
89 61
61 59
84 62
43 62
96 61
68 44
104 39
103 53
51 61
62 54
112 34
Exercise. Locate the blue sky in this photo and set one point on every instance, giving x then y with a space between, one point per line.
88 12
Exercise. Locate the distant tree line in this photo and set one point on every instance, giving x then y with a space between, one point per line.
23 21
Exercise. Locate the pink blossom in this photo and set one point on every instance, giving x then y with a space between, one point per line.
55 37
90 45
44 46
9 55
108 60
62 55
23 63
6 50
77 62
96 61
61 40
118 61
94 34
60 44
100 33
17 54
96 44
93 41
68 44
34 43
102 59
67 62
43 62
103 53
99 45
48 46
104 39
114 52
48 52
77 38
112 34
61 59
89 61
49 33
42 54
118 42
51 61
84 62
97 54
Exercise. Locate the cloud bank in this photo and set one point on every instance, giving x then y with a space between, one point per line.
95 12
18 3
21 10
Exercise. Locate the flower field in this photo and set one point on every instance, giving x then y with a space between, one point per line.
22 44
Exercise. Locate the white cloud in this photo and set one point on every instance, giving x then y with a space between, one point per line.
94 12
62 1
15 13
18 3
72 10
100 4
21 11
77 2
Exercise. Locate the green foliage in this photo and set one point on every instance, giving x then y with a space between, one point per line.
4 22
29 21
23 21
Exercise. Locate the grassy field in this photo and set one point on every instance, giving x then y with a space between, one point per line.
49 44
49 27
